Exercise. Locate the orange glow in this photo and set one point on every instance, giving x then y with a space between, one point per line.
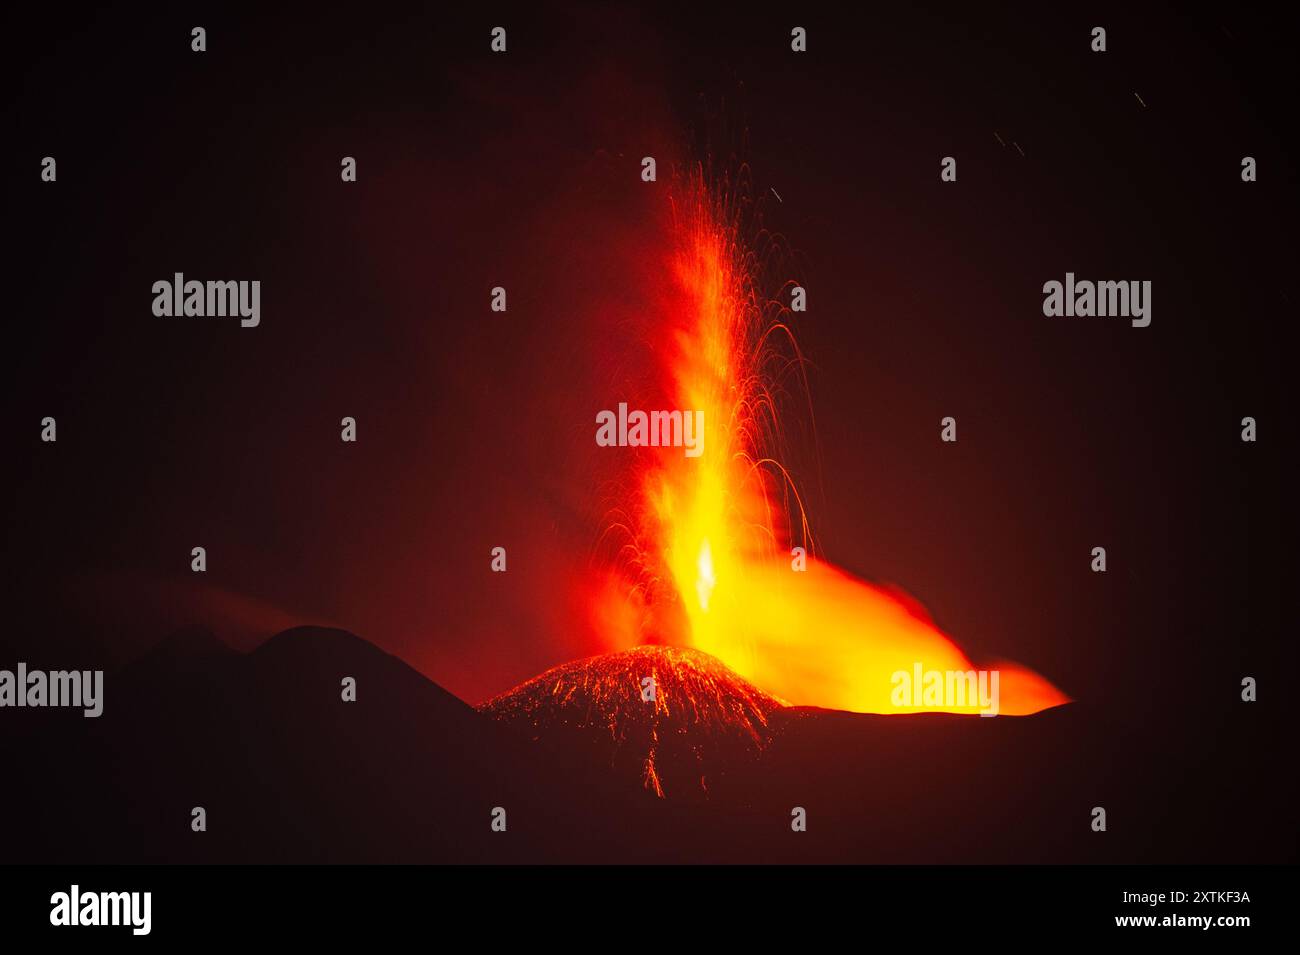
715 531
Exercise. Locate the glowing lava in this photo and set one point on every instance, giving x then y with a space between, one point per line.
702 723
713 534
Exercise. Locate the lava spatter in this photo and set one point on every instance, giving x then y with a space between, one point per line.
701 722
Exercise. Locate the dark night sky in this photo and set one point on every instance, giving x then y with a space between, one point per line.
474 170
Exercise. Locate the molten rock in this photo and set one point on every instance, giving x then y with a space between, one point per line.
676 720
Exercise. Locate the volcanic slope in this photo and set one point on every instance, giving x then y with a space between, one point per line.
675 720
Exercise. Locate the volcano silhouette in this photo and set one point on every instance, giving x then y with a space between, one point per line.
676 720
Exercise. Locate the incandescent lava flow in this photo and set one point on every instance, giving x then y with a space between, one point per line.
703 722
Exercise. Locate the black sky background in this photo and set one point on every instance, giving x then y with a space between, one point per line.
522 170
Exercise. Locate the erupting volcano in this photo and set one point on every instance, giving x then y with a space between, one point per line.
710 557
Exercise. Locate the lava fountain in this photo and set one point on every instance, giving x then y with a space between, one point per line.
709 540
